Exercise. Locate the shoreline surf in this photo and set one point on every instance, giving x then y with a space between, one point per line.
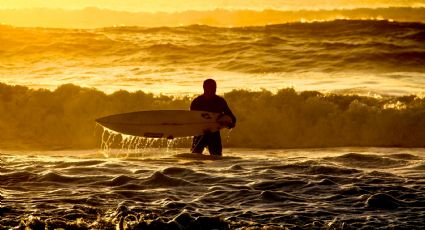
304 188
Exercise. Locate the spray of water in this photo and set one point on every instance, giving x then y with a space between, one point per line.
114 144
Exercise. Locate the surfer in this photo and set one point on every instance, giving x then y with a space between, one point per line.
210 102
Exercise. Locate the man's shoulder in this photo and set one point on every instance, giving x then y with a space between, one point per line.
200 97
218 98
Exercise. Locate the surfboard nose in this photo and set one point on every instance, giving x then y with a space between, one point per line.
100 120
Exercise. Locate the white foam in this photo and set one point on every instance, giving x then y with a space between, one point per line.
136 146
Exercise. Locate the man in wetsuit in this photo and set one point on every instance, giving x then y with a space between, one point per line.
210 102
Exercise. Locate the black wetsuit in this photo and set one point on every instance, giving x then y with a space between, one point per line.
212 140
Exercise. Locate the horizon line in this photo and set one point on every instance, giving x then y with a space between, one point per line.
215 26
93 17
420 6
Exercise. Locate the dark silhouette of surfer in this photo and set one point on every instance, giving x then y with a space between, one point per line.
210 102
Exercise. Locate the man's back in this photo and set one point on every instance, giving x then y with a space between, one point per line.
214 104
210 102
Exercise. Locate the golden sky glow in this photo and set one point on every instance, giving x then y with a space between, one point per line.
104 13
97 17
182 5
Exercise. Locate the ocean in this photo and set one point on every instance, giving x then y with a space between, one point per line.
334 188
344 56
330 131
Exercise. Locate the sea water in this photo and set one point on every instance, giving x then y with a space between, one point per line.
300 91
345 56
336 188
293 85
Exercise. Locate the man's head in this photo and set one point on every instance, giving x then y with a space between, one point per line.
210 87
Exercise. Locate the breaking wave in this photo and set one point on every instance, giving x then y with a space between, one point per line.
64 118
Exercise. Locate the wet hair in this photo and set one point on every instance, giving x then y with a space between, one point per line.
209 83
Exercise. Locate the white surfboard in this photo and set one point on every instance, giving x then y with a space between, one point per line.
165 123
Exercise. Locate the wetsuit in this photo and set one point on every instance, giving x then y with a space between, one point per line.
212 140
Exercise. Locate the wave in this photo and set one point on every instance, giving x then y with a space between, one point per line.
56 177
382 201
159 179
302 189
404 156
64 118
338 45
17 177
420 167
312 167
371 161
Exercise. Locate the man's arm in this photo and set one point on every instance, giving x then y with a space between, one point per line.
229 113
194 104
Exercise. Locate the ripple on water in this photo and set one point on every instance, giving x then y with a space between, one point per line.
56 177
158 179
300 193
369 160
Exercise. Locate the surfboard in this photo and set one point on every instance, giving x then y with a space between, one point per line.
165 123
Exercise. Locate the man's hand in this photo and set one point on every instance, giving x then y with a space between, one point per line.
231 125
